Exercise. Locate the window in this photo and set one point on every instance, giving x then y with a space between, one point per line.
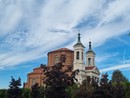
89 61
77 55
56 59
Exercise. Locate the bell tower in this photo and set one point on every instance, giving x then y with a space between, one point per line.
90 56
78 54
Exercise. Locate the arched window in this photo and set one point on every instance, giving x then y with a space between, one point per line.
77 55
89 61
56 59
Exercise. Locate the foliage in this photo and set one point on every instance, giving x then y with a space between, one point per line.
117 76
87 89
119 91
71 90
108 90
26 93
91 89
35 91
3 93
105 88
41 92
57 79
127 89
14 91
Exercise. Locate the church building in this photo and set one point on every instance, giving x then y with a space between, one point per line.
74 58
88 69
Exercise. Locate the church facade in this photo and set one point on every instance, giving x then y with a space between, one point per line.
88 69
74 58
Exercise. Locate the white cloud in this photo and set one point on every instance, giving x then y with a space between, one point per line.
10 14
124 66
53 24
117 9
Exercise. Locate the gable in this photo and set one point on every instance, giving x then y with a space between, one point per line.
95 70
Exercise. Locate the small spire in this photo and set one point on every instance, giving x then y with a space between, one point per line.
79 38
90 45
79 44
90 48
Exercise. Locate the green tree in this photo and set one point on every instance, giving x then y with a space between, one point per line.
41 92
71 90
117 76
119 90
127 89
14 90
35 91
3 93
105 89
57 79
109 90
87 89
26 93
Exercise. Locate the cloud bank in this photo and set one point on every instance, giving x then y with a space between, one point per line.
29 29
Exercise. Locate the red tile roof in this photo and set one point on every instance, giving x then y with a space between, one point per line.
61 49
89 67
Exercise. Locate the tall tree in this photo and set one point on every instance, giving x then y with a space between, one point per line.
35 91
14 90
57 79
41 92
119 90
109 90
26 93
105 89
3 93
117 76
127 89
86 89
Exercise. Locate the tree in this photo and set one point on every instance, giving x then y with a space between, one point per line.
105 89
26 93
117 76
127 89
86 89
3 93
119 90
71 90
57 79
41 92
109 90
14 90
35 91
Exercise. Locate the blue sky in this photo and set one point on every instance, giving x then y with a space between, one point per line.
29 29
